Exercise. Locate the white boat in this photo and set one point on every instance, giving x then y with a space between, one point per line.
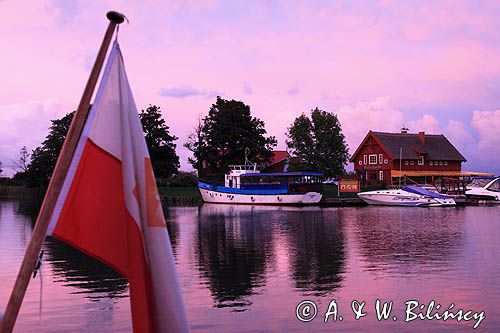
407 196
484 189
244 184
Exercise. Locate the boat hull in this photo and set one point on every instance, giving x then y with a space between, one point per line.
400 198
211 196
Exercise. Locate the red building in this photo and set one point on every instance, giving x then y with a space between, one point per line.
384 158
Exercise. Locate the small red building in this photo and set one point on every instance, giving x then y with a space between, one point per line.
383 158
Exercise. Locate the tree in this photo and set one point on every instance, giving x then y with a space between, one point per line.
1 170
160 143
21 165
44 157
196 143
225 134
319 142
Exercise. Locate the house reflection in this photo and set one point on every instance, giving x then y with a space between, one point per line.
234 246
316 250
407 240
74 269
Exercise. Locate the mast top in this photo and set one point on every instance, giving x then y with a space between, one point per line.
115 17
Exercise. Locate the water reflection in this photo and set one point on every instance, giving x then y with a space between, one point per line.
408 242
316 250
233 247
94 279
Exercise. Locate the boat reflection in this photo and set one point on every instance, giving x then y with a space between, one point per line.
390 239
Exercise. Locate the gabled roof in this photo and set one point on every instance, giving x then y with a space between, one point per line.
279 155
436 147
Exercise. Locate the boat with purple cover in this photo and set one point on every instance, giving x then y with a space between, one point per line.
412 195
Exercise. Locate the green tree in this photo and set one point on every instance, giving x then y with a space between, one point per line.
44 157
224 135
160 143
319 141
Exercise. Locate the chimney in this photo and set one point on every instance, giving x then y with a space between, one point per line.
421 137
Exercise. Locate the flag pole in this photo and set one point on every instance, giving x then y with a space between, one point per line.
56 182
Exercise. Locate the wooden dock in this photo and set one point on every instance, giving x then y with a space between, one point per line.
343 202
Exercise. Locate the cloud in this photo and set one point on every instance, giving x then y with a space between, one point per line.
487 124
247 89
293 91
24 124
180 92
459 135
427 123
377 115
188 91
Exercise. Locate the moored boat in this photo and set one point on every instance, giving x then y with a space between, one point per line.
407 196
485 189
244 184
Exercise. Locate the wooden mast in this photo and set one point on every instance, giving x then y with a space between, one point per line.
56 182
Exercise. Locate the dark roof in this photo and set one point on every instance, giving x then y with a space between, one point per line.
436 147
304 173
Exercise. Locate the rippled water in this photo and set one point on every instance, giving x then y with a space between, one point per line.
245 268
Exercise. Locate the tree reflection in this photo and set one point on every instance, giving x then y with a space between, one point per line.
75 269
316 250
233 247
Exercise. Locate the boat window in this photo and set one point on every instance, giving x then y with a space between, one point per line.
495 186
480 182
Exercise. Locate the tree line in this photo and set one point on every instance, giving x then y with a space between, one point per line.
228 135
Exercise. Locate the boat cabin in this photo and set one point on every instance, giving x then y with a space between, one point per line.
232 179
293 182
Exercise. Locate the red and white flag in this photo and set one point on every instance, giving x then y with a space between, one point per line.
109 206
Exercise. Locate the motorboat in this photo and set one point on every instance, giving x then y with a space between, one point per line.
245 184
484 188
411 195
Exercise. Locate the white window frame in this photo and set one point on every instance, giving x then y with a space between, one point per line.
381 175
406 162
430 163
412 162
440 162
365 159
360 162
380 159
421 160
370 158
445 162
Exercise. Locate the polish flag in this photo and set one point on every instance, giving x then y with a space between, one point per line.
109 206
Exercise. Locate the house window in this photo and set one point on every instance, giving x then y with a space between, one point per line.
380 158
386 161
406 162
421 160
373 158
360 162
381 175
412 162
445 163
440 162
365 159
430 162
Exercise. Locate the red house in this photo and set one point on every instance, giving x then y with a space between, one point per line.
383 158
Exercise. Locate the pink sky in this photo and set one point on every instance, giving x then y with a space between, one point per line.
433 66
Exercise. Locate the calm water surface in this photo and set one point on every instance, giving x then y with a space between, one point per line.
245 268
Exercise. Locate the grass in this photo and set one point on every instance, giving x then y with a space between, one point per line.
191 192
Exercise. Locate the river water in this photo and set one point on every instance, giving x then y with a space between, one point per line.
246 268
